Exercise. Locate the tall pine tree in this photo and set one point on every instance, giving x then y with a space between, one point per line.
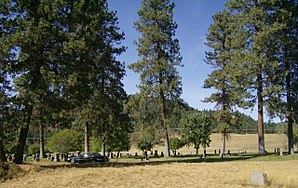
219 40
252 60
95 77
159 56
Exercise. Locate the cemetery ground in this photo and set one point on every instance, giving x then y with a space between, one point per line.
186 170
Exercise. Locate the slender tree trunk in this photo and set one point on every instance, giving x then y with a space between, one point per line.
204 152
289 110
41 141
86 138
103 144
223 142
261 139
2 151
103 148
162 106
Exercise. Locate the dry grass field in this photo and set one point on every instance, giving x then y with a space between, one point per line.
204 174
188 171
236 143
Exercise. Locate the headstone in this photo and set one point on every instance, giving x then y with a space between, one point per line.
258 179
9 158
56 157
204 154
280 152
24 157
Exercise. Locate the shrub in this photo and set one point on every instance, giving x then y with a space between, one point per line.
175 144
33 149
66 141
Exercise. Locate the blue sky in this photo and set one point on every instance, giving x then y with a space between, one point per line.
193 18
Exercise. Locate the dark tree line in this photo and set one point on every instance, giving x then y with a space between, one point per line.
59 57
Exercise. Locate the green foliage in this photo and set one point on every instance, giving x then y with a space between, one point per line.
65 141
33 149
118 138
175 144
145 145
197 130
148 138
95 144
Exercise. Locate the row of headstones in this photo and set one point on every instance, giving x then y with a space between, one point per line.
9 157
128 155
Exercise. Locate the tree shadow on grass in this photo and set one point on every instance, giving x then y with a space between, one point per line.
152 162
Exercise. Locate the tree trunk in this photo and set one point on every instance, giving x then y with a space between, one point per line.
223 143
204 152
162 105
86 138
261 139
103 136
2 151
23 137
103 148
289 110
166 142
41 141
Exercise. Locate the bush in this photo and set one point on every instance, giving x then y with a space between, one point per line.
175 144
33 149
145 145
66 141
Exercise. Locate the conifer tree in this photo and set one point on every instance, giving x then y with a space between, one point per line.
219 39
283 102
95 77
158 57
252 60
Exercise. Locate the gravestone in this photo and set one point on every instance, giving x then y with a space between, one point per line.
56 157
258 179
280 152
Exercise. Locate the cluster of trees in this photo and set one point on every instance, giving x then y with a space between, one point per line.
253 51
59 71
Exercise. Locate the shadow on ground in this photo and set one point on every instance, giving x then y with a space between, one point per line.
152 162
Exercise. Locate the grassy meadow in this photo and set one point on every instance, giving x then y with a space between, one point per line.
181 171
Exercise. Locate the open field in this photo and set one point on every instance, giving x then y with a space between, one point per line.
236 143
181 171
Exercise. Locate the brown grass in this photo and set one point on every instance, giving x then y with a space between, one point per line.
173 172
221 174
236 143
